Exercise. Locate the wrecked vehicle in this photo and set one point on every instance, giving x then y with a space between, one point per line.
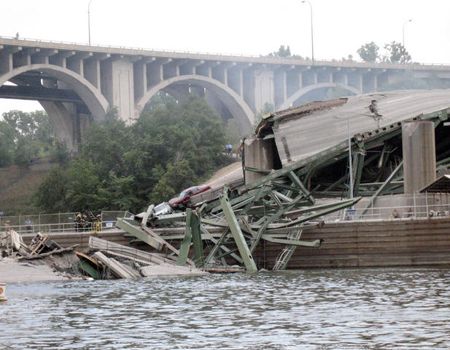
185 196
162 209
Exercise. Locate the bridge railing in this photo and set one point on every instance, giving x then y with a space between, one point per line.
289 60
413 207
58 222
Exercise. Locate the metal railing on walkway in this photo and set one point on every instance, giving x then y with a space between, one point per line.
417 206
58 222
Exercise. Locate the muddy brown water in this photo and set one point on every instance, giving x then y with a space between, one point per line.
315 309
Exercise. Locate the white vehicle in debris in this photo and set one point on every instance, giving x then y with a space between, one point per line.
162 209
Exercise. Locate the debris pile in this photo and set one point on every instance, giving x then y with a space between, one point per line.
12 245
227 228
110 260
42 253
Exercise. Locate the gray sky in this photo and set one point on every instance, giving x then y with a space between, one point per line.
248 27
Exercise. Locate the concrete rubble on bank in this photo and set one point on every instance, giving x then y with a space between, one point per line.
41 260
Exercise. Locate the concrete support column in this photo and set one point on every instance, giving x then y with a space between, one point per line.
280 87
345 79
140 79
21 58
249 87
119 87
218 73
264 88
188 68
258 155
360 82
154 73
202 69
234 79
61 58
75 64
330 77
419 155
92 72
300 80
171 69
315 78
6 62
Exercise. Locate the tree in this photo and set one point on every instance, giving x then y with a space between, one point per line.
24 136
171 146
397 53
7 145
369 52
51 194
282 52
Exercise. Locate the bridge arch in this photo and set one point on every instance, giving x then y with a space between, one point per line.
303 91
91 96
238 108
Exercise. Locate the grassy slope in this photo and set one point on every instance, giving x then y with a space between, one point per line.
17 185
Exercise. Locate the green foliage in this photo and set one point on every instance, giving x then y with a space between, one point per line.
397 53
282 52
52 192
25 136
7 144
170 147
369 52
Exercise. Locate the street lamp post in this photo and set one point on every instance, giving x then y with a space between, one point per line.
312 28
89 21
403 31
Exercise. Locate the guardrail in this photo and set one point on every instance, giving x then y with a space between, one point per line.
58 222
289 60
419 206
390 213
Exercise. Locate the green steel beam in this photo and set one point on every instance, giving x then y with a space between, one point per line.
138 233
359 166
269 219
236 232
186 243
382 187
218 244
341 205
296 181
194 222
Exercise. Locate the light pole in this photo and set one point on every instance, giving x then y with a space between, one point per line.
89 21
403 31
312 29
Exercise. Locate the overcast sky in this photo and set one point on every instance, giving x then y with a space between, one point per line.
247 27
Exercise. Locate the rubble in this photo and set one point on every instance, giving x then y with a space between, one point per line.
221 233
42 259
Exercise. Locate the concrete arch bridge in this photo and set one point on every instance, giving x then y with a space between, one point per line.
78 84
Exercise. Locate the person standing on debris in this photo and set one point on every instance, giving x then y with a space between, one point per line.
228 148
78 222
98 224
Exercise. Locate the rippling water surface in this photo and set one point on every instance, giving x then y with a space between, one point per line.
319 309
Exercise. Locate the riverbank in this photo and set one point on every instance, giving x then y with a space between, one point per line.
14 271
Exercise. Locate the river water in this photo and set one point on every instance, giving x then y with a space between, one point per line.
313 309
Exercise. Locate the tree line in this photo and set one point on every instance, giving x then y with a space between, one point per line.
27 136
394 52
125 167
